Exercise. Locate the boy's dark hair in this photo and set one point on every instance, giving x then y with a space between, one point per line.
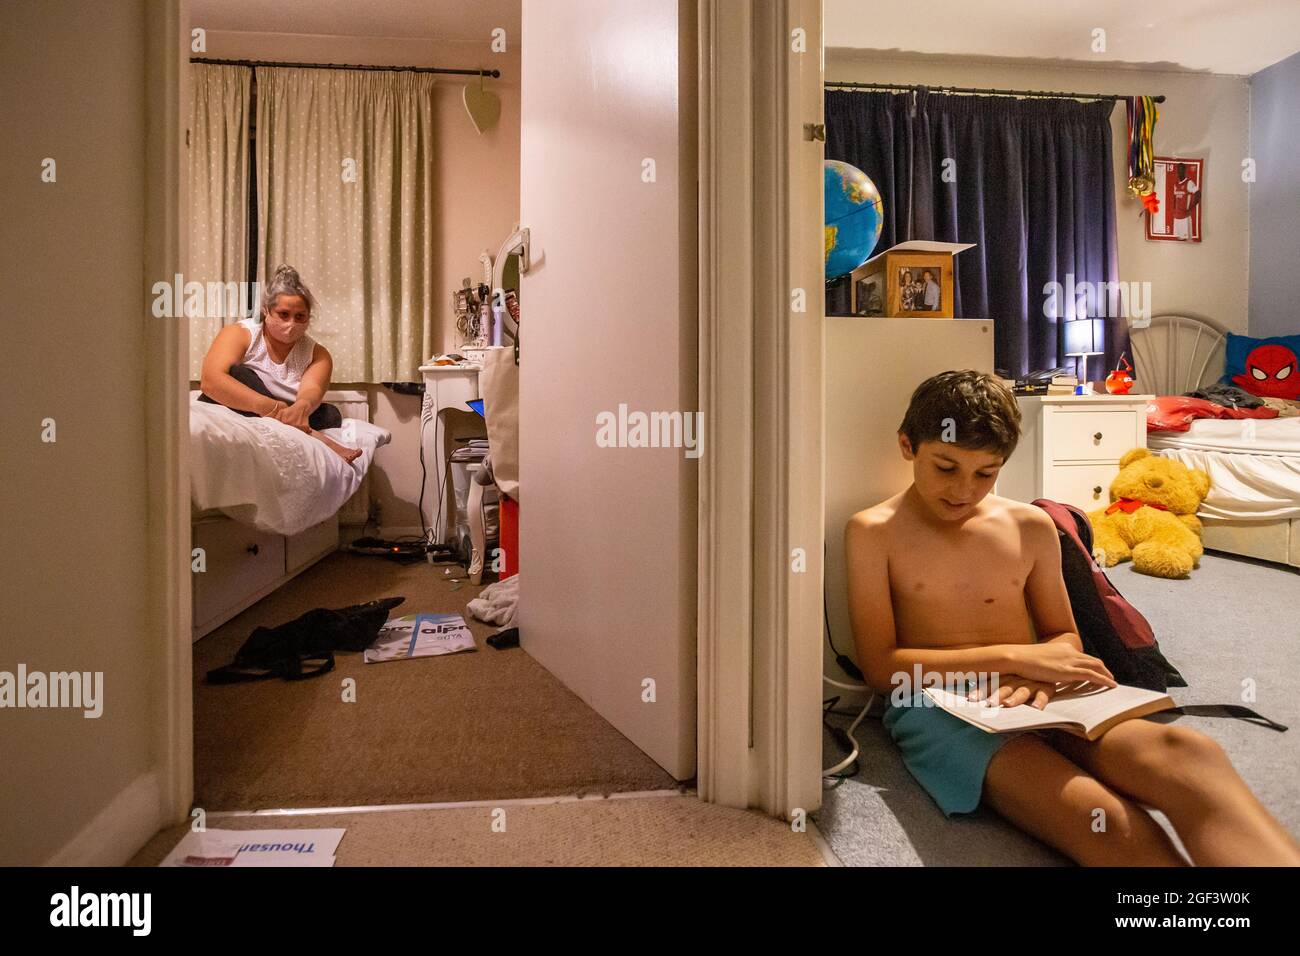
966 408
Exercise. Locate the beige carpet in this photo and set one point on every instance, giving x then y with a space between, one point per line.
481 725
634 831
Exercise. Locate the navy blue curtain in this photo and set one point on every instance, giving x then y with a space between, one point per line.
1030 182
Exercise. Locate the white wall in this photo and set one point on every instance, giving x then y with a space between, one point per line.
1204 116
863 463
608 535
75 590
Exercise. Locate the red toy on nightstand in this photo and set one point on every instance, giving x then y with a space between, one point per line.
1120 381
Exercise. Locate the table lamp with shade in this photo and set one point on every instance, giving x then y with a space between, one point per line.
1084 337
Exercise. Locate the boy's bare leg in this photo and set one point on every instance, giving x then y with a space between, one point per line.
1188 777
347 454
1050 797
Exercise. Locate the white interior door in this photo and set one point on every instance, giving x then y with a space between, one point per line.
608 534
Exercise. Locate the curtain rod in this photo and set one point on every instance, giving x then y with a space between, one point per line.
345 66
972 89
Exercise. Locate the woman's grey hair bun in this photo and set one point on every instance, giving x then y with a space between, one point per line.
286 282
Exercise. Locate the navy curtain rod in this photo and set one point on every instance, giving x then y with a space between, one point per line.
971 89
346 66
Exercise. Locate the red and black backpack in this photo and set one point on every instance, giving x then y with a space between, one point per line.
1114 630
1110 627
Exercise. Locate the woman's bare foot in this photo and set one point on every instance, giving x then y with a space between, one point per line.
347 454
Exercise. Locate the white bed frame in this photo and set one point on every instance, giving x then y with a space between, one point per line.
1179 353
244 565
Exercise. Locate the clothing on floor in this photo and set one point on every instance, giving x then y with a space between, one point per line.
325 416
310 639
497 603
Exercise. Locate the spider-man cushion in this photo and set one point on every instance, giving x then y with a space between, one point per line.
1263 367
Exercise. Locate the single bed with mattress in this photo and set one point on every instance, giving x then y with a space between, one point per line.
266 500
1253 507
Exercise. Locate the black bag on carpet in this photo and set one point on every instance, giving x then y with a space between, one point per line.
310 640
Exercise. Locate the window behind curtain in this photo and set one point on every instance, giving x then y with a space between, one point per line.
1031 185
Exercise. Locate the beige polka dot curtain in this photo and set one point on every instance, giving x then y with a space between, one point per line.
345 195
218 171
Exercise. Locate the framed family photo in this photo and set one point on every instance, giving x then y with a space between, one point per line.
1178 187
906 283
920 288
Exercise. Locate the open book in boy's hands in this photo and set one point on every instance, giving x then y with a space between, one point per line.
1086 712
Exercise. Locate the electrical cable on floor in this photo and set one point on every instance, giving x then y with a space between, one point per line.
843 686
846 739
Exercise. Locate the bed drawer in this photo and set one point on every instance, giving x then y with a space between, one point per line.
240 561
1091 435
1265 540
306 546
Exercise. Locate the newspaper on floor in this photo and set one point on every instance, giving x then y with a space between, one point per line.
256 848
420 635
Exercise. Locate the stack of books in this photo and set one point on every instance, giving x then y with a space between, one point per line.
1062 385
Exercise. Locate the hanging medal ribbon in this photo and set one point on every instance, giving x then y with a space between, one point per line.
1142 117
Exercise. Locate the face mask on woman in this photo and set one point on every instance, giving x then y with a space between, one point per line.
287 320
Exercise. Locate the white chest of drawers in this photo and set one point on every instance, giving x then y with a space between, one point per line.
1070 447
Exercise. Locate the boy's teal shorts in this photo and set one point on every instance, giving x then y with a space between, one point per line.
946 755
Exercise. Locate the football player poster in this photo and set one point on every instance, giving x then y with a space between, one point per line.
1178 187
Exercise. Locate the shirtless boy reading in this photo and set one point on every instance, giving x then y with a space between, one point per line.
953 580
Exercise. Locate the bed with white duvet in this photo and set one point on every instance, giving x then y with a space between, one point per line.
269 475
1253 464
1253 507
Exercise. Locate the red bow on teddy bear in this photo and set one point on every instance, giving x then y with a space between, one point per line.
1130 505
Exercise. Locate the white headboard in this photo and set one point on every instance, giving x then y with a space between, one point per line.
1176 354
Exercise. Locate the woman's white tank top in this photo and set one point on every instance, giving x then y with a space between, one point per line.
282 381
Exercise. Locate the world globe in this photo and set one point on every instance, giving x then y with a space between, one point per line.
854 216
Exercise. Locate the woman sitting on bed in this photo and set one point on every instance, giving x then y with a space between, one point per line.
273 368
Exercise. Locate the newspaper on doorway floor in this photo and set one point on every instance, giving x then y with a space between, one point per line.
256 848
420 635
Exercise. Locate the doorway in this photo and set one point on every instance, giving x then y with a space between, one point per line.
758 713
600 697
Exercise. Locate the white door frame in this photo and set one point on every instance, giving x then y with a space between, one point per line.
761 325
760 630
167 407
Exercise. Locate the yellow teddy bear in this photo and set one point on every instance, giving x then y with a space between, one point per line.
1152 516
